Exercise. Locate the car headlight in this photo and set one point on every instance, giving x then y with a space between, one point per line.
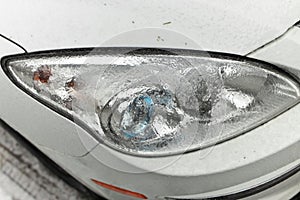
153 102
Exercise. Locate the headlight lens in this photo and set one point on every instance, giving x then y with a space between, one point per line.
153 102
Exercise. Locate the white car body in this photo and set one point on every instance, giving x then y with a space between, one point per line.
239 27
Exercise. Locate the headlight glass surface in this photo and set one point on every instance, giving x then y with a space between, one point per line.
153 102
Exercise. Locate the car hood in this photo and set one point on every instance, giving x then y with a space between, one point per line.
231 26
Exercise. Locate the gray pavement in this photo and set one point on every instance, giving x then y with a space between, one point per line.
23 177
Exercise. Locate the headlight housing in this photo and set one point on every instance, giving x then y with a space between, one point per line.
155 102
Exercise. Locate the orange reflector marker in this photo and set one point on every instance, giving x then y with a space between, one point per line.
120 190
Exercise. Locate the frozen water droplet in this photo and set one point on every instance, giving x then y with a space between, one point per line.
137 116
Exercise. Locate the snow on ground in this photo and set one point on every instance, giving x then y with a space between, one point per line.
4 195
23 177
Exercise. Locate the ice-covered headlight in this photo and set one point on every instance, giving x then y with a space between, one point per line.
155 102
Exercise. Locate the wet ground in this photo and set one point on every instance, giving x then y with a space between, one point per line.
23 177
